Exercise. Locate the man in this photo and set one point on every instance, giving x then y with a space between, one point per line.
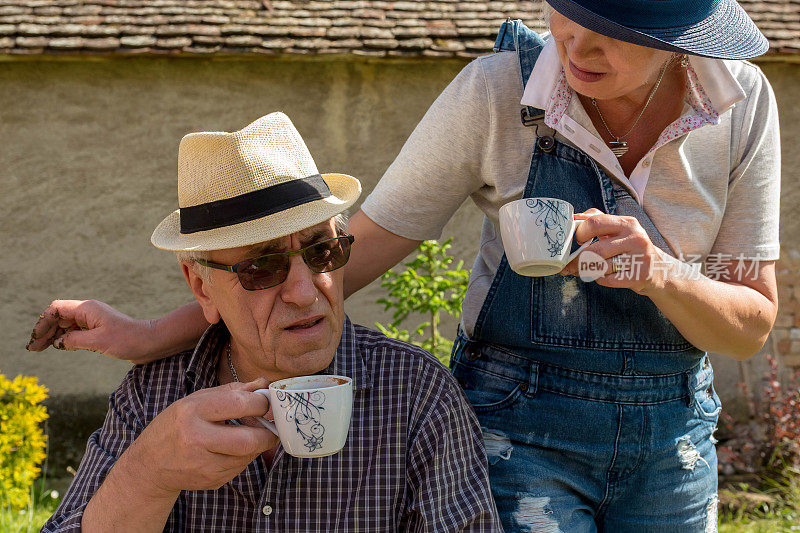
260 237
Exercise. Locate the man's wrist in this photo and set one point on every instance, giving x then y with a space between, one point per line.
129 499
138 473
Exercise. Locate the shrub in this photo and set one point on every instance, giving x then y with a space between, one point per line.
429 286
765 452
769 443
22 439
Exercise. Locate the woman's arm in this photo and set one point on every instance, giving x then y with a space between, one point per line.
374 251
732 315
96 326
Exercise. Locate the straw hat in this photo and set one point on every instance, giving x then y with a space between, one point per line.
250 186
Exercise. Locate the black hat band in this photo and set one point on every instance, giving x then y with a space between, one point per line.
253 205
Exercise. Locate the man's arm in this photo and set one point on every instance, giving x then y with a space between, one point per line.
447 467
104 447
131 476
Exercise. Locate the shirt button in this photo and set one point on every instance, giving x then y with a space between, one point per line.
267 510
646 163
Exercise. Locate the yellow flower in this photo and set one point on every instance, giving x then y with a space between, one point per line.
22 439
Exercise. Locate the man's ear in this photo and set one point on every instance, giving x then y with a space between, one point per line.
199 288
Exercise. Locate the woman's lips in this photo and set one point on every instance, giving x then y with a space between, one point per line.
585 75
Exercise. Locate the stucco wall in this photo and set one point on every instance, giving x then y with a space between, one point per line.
87 169
88 164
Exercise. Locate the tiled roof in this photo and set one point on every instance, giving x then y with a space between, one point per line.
369 27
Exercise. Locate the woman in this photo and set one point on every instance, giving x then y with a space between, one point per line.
596 398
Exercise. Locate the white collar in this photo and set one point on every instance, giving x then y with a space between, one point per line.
714 75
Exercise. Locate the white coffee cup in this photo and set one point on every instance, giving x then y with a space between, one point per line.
537 235
311 413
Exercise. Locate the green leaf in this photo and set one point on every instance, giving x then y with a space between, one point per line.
428 286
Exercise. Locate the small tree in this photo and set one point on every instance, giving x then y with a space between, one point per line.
429 286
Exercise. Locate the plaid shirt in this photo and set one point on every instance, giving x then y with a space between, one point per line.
414 458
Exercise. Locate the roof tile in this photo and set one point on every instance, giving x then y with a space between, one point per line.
243 41
173 42
435 28
66 43
32 42
108 43
13 10
137 41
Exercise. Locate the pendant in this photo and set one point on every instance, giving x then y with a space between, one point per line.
618 148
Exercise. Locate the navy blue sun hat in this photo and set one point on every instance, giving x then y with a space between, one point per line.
710 28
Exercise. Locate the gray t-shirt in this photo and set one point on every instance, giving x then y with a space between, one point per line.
714 190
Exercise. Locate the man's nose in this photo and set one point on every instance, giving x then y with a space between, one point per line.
299 288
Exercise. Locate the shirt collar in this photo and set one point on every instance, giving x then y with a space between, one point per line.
201 371
713 78
349 360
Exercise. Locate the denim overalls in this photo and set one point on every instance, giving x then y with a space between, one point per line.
597 414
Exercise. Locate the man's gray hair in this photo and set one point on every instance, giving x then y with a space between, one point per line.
190 256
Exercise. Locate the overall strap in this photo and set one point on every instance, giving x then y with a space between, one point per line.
514 36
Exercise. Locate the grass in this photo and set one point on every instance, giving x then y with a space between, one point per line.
762 525
32 518
773 507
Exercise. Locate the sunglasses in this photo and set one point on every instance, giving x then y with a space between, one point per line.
272 269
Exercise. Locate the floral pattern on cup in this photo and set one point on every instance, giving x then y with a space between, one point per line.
554 216
304 409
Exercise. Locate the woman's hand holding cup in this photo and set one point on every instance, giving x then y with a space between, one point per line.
621 237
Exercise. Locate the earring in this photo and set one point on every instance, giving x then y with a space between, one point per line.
684 61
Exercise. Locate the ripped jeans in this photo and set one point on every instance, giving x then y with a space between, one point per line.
574 452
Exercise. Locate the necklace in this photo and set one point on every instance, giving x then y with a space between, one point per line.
233 370
230 363
618 146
